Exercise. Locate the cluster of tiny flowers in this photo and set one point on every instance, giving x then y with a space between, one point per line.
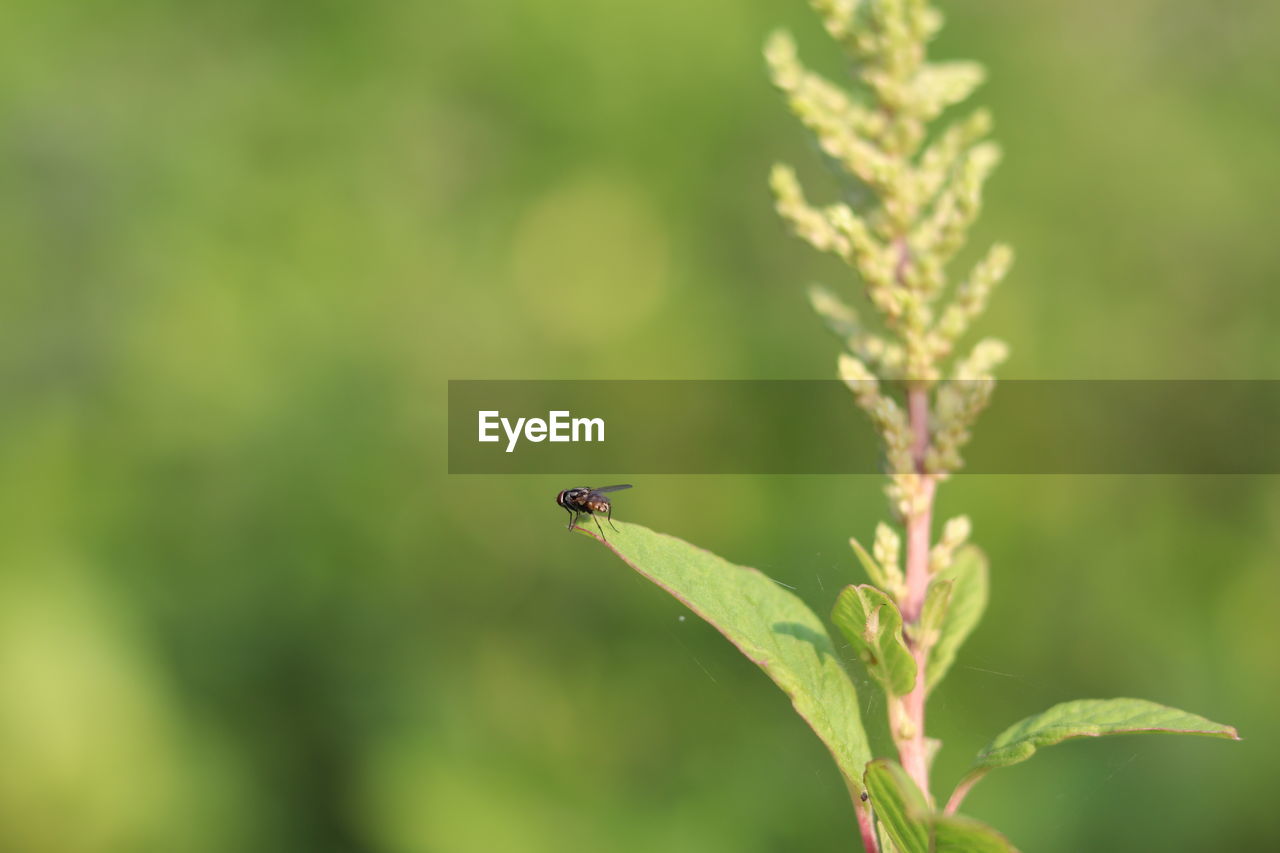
954 534
883 564
908 211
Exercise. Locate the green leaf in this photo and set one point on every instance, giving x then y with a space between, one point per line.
968 577
872 568
957 834
906 818
937 601
768 624
899 805
1091 718
873 626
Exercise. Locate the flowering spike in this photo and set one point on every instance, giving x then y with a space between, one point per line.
916 213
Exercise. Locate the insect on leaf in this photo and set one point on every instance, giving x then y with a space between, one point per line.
770 625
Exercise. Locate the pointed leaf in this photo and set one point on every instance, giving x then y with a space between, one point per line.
899 806
1091 718
872 624
968 577
768 624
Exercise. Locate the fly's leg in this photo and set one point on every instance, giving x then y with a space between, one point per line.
610 518
573 517
598 527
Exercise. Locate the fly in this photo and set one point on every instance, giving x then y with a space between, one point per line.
586 501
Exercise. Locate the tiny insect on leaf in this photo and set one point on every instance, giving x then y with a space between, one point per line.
585 500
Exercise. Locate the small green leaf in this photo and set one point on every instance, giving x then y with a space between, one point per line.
768 624
957 834
873 626
899 805
968 577
1091 718
937 600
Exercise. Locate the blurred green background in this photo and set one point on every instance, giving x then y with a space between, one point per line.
242 605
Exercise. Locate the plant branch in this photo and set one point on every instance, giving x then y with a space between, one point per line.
962 790
899 236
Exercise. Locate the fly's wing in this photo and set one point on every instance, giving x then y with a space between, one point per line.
604 489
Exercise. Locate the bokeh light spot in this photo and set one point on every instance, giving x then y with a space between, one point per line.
589 259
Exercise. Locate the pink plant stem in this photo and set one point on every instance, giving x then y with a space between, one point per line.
913 749
865 824
958 795
921 514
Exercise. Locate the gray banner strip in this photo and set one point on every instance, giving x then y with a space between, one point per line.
814 427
